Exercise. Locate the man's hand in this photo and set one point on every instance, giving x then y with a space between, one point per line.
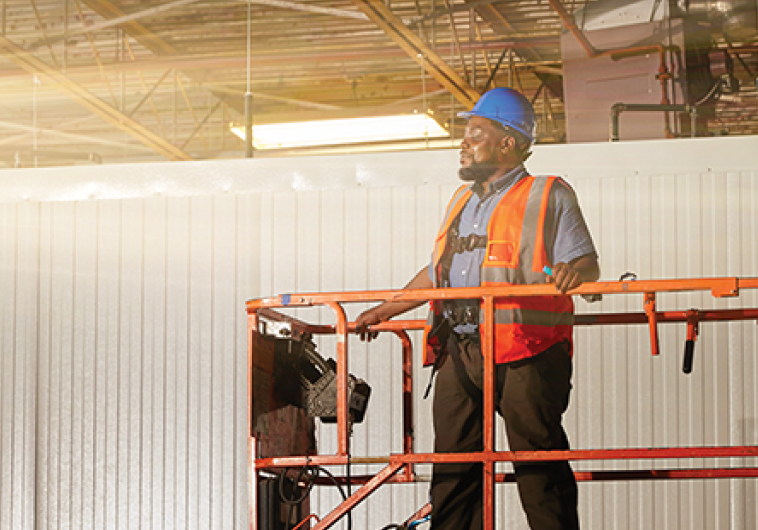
365 320
567 276
387 310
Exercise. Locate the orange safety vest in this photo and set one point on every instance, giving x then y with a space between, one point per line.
515 255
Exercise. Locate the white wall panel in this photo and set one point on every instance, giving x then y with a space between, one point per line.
133 387
18 335
122 355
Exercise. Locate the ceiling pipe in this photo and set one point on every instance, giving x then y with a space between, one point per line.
618 108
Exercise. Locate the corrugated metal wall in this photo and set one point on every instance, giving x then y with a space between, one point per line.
122 330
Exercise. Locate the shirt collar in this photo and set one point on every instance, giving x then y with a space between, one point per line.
503 182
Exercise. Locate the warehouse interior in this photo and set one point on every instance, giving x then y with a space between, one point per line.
99 81
123 329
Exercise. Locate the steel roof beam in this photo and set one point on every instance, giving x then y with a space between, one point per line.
503 26
419 51
89 101
151 41
23 139
134 28
108 23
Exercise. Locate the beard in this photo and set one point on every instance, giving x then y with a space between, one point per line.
477 172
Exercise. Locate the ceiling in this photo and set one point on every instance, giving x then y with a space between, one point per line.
111 81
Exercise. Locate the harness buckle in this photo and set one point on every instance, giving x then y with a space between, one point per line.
467 243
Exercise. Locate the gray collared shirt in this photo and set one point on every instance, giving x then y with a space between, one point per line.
566 234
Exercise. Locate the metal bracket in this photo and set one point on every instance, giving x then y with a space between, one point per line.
725 287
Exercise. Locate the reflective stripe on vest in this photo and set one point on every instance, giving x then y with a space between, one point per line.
535 318
516 254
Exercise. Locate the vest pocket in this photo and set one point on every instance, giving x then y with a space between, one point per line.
502 253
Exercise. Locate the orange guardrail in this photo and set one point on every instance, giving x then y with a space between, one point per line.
399 467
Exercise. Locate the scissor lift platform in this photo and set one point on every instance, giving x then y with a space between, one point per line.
399 468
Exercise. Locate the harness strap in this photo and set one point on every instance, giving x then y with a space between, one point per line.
467 243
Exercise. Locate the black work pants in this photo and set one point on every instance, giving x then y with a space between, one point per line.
532 396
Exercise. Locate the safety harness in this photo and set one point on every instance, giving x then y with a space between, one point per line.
457 312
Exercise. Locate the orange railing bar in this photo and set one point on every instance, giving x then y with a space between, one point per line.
719 287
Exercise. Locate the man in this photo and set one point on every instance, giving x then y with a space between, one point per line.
503 228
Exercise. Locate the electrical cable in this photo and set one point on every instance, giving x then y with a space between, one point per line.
716 87
304 475
342 492
307 475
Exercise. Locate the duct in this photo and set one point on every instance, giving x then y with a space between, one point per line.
607 14
689 71
627 70
738 18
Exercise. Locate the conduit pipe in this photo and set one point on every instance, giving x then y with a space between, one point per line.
618 108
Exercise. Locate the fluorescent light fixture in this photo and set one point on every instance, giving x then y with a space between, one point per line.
344 131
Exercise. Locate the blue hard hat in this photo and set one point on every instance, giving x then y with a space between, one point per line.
507 107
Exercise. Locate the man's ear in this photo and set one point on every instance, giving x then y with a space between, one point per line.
507 143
